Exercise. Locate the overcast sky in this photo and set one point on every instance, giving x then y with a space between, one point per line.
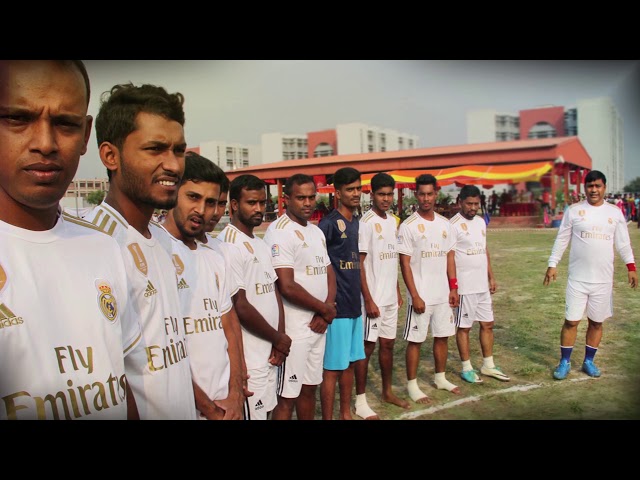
238 100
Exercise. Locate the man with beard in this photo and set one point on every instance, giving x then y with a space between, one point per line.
257 300
140 134
345 341
307 283
594 228
216 364
476 284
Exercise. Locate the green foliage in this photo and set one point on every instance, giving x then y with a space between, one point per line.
633 186
94 198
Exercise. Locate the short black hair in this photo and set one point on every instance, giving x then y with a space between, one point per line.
200 169
246 181
426 179
297 179
594 175
380 180
345 176
469 191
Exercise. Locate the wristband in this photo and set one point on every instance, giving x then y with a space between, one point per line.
631 267
453 284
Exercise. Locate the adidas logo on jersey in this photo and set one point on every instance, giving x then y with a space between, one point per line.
150 290
415 327
182 284
380 237
293 378
259 405
304 245
8 318
255 260
375 325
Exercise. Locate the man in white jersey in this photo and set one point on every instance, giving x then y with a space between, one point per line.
377 242
257 300
594 227
216 363
140 134
306 282
476 284
66 321
429 272
219 246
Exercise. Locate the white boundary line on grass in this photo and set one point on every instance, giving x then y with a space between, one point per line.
518 388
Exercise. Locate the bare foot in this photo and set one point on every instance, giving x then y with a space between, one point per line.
423 400
394 400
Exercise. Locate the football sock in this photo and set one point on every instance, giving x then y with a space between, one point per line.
589 352
466 365
487 362
565 353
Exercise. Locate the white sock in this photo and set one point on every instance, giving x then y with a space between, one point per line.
442 383
466 365
488 362
362 407
414 391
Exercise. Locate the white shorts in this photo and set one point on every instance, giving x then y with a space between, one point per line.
439 316
262 382
303 365
385 326
474 307
596 298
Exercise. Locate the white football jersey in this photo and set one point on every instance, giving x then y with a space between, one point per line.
470 244
427 243
304 250
250 260
66 323
159 372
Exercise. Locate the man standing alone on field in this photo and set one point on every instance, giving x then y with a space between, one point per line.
593 227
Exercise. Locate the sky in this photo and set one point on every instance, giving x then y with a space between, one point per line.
238 100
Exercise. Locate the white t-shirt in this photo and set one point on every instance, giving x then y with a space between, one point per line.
304 250
65 321
204 300
220 247
159 372
470 244
250 260
378 238
593 233
427 243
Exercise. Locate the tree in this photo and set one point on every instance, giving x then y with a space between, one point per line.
633 186
95 197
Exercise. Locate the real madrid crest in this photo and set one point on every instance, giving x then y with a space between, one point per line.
299 235
421 228
106 300
378 228
581 212
444 234
249 247
610 220
464 226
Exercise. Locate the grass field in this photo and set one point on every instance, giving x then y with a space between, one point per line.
528 319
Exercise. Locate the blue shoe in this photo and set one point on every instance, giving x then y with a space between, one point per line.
470 376
562 370
590 368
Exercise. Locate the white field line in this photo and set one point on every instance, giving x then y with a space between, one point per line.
475 398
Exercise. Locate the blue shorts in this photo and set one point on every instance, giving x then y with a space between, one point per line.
345 343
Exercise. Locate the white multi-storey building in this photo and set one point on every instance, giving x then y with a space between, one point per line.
230 156
361 138
595 121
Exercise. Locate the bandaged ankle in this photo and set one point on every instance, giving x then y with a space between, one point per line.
466 365
414 391
442 383
488 362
